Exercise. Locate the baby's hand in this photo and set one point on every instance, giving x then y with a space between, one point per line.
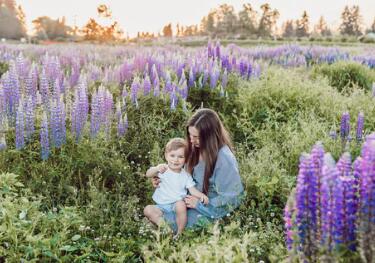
162 168
204 199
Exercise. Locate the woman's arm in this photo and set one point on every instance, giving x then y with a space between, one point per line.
226 187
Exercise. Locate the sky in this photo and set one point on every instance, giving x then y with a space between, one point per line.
152 15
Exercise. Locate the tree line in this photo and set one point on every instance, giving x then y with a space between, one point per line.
220 22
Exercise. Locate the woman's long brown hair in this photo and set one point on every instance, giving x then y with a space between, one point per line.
212 136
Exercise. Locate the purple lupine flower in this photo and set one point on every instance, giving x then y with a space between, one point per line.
108 111
217 50
184 91
317 159
29 118
56 89
121 127
205 77
168 83
338 212
154 74
55 120
289 211
29 89
74 74
329 178
249 71
366 222
134 90
62 121
44 141
224 79
3 143
191 78
210 52
360 124
156 84
333 135
15 89
173 99
80 110
304 215
44 90
345 204
146 86
214 77
357 171
256 70
345 125
180 71
182 79
20 128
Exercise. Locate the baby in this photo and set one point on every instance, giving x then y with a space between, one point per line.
174 183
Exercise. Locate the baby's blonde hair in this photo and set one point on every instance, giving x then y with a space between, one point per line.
174 144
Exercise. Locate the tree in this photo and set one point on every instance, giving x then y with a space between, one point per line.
95 31
208 23
247 20
288 29
302 25
321 28
47 28
373 26
167 30
351 21
226 20
12 20
267 21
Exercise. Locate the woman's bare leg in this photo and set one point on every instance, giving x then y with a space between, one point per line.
181 216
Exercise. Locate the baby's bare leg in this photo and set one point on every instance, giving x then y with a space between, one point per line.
153 214
181 216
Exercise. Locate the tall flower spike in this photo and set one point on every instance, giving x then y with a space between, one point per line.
366 226
304 215
329 177
20 128
345 125
44 141
360 124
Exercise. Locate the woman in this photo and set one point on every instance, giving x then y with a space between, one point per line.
214 168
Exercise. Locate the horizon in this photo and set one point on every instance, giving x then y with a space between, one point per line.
134 17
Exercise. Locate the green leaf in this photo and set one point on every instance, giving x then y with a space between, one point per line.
76 237
69 248
22 215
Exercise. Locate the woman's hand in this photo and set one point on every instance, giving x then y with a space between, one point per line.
191 201
204 199
155 181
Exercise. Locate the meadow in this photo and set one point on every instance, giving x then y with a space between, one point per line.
80 125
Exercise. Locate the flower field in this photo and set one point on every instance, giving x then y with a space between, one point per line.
80 125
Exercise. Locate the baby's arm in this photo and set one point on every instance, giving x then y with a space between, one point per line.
154 170
195 192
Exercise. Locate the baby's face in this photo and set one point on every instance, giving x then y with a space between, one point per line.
175 159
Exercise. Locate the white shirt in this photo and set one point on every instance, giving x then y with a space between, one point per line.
173 187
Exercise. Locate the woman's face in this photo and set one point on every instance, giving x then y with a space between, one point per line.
194 136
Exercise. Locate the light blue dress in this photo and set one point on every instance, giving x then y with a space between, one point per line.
224 192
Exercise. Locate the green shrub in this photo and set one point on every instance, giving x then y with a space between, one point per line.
346 76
